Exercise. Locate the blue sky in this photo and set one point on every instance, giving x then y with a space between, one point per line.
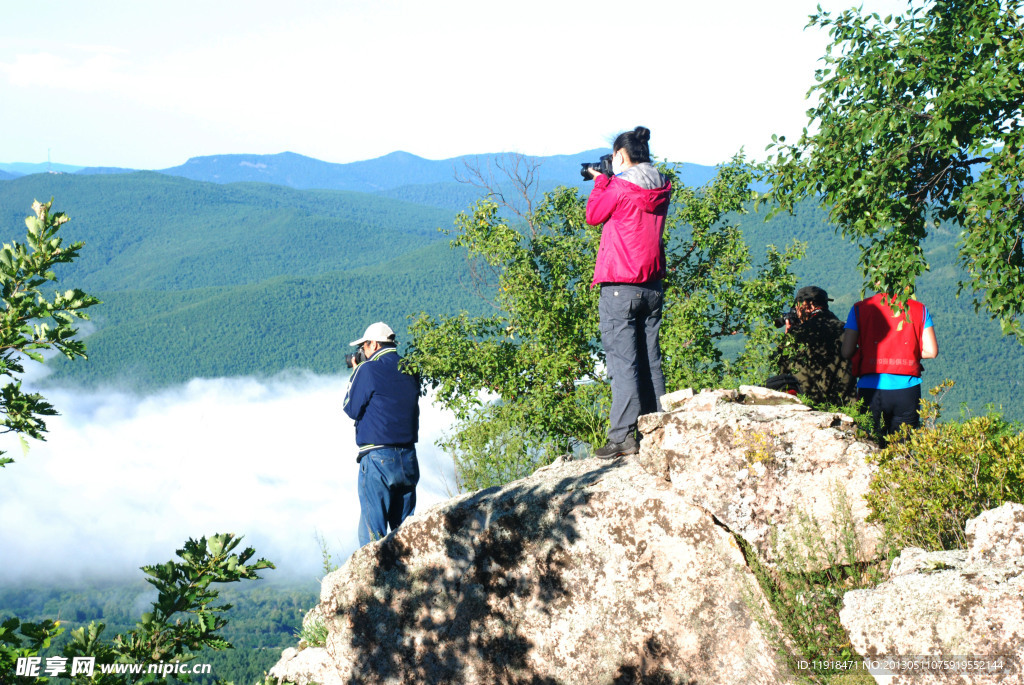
148 85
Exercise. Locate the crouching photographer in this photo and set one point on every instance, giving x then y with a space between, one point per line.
809 359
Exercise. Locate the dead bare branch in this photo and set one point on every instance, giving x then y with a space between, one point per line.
510 179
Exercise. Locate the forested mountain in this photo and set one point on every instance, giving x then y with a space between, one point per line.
203 280
93 170
207 280
150 231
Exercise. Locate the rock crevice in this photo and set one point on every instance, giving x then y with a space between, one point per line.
585 572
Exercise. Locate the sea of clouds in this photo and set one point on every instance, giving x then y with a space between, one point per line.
123 479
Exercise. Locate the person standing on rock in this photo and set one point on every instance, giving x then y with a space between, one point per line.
632 204
384 402
886 345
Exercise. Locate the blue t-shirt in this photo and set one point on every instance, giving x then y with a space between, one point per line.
886 381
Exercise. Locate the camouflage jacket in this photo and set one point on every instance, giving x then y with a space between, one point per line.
812 351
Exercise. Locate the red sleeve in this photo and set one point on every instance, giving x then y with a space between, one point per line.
601 202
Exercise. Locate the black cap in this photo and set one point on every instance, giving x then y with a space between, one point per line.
813 293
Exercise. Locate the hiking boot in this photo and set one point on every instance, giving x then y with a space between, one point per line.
618 449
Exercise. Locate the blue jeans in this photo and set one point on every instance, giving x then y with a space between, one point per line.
630 321
387 490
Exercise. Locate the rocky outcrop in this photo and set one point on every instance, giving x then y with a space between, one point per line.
964 609
585 572
756 458
595 571
306 667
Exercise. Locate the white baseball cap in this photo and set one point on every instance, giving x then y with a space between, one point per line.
376 332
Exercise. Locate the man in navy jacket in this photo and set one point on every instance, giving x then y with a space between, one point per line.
384 402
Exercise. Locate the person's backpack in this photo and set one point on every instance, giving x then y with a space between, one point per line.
784 382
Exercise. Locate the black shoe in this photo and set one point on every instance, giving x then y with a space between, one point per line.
618 449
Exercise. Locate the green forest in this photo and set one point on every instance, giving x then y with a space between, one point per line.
264 619
206 280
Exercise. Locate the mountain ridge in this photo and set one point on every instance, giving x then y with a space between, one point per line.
381 174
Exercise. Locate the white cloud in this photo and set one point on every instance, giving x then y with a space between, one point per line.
123 480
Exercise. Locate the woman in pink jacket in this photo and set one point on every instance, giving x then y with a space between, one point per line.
632 205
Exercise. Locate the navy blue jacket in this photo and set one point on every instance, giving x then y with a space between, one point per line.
384 402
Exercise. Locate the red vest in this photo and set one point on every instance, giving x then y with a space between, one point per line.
886 341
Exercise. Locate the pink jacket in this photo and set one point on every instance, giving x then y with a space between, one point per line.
631 250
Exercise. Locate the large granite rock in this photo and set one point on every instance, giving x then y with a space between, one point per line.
756 458
585 572
967 604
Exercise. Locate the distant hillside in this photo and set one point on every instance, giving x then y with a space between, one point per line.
381 175
26 168
455 197
385 173
203 280
94 170
150 231
147 339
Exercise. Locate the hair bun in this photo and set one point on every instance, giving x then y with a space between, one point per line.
642 134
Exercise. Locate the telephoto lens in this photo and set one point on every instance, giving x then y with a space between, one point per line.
602 167
353 360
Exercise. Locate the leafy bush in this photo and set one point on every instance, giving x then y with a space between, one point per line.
930 483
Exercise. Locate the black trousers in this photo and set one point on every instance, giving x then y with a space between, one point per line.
895 407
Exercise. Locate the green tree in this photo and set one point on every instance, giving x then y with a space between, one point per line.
526 383
537 353
34 318
715 296
918 119
183 620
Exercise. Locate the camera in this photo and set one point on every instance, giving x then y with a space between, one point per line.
353 360
790 317
602 167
